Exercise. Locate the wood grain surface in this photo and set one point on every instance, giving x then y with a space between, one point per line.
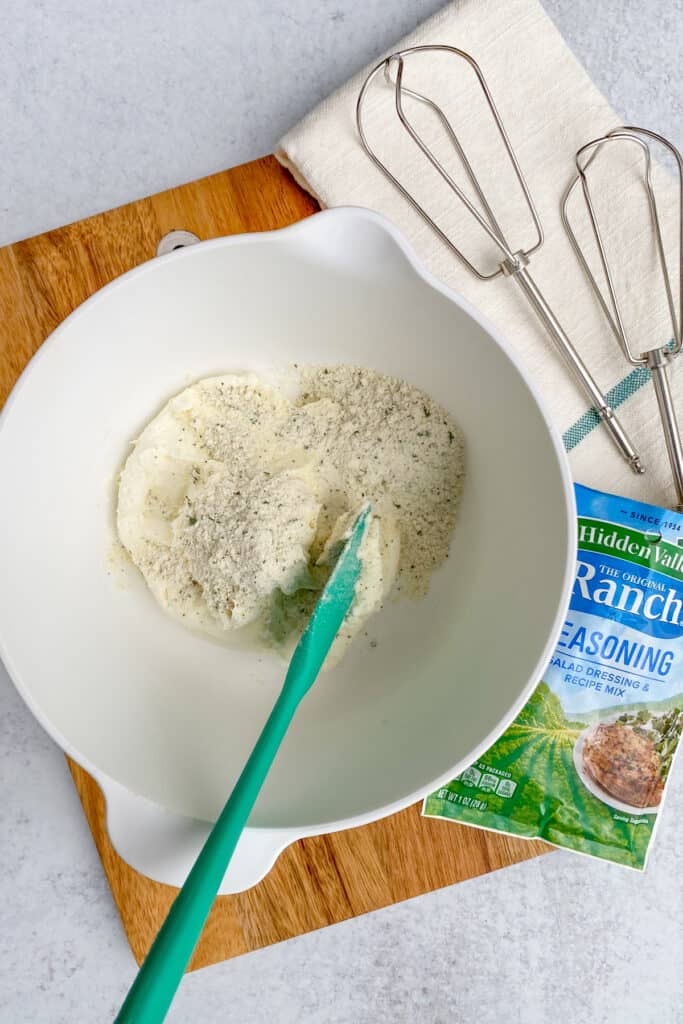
318 881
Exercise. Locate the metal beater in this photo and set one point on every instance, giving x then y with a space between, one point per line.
655 359
514 262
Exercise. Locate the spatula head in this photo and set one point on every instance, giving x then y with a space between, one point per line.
329 612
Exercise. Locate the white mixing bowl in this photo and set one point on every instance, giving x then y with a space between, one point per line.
164 718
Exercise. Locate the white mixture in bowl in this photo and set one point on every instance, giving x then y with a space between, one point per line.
235 498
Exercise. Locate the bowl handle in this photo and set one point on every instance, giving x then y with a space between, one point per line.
164 845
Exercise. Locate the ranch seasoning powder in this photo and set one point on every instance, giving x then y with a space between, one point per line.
584 765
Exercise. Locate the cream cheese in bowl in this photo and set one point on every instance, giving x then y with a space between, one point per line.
235 497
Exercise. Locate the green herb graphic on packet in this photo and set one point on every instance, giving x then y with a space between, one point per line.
584 765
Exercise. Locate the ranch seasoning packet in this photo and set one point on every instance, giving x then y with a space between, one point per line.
584 765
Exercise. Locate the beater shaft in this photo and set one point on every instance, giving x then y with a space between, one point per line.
578 368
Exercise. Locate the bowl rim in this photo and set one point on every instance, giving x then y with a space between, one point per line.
308 226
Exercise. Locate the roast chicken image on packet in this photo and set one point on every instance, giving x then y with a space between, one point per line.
585 764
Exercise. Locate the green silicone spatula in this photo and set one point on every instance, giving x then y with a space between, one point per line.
152 991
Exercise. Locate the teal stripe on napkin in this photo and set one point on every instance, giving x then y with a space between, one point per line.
616 396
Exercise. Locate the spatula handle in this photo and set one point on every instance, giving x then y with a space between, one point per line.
155 985
153 989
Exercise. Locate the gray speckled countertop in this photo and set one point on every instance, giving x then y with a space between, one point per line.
102 103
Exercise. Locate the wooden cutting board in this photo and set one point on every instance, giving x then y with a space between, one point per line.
319 881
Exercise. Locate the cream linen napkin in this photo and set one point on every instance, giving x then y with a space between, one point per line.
549 107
